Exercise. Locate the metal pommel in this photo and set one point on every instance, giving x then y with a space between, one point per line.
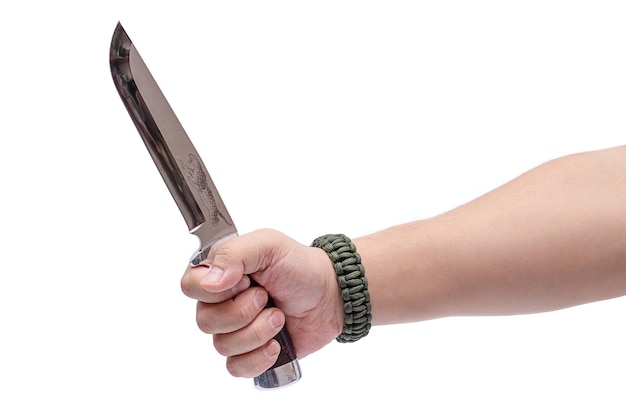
279 377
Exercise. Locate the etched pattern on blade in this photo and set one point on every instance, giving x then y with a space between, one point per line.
198 178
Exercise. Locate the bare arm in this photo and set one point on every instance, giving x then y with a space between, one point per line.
552 238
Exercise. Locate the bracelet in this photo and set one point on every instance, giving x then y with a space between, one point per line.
352 284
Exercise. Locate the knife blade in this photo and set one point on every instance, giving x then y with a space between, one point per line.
185 175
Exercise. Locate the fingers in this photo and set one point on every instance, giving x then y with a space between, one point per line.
252 350
232 314
263 328
243 330
254 363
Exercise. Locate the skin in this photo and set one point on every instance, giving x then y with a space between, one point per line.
552 238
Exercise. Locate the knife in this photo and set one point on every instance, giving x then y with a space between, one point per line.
186 177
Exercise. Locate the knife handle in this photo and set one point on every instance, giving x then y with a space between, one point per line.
286 369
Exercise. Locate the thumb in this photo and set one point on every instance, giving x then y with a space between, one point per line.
222 269
229 260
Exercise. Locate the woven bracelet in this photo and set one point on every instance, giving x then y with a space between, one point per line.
352 284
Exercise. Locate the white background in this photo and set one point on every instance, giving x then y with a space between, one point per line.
313 118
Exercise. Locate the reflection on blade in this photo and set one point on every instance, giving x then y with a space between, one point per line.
175 156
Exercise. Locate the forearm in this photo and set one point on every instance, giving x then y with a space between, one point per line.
552 238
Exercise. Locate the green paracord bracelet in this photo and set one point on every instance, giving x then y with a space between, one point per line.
352 284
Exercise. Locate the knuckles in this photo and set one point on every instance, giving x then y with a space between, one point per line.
230 315
250 337
221 346
203 320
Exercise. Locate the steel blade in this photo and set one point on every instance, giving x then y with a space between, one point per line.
171 149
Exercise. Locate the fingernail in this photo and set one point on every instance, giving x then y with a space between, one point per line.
260 299
213 276
272 348
276 320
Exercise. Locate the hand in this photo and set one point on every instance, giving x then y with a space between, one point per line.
300 280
